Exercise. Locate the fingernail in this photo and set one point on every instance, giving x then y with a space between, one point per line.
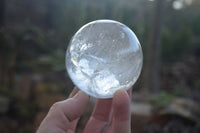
80 94
120 91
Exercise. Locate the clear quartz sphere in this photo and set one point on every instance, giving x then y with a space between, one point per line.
103 57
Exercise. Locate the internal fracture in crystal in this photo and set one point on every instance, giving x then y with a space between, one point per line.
104 56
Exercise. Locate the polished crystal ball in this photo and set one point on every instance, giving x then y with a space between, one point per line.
103 57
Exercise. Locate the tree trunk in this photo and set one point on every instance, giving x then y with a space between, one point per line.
2 70
2 59
2 13
153 53
49 15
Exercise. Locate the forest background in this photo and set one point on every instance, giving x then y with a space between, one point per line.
34 36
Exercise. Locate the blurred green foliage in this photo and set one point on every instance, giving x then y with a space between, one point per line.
161 100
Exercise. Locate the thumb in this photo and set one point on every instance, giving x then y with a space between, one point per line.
62 113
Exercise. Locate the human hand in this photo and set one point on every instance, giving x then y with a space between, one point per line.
109 115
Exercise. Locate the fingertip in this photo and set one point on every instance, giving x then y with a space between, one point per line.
74 91
81 95
130 92
120 97
121 105
120 91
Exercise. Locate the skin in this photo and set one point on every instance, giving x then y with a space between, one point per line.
109 115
